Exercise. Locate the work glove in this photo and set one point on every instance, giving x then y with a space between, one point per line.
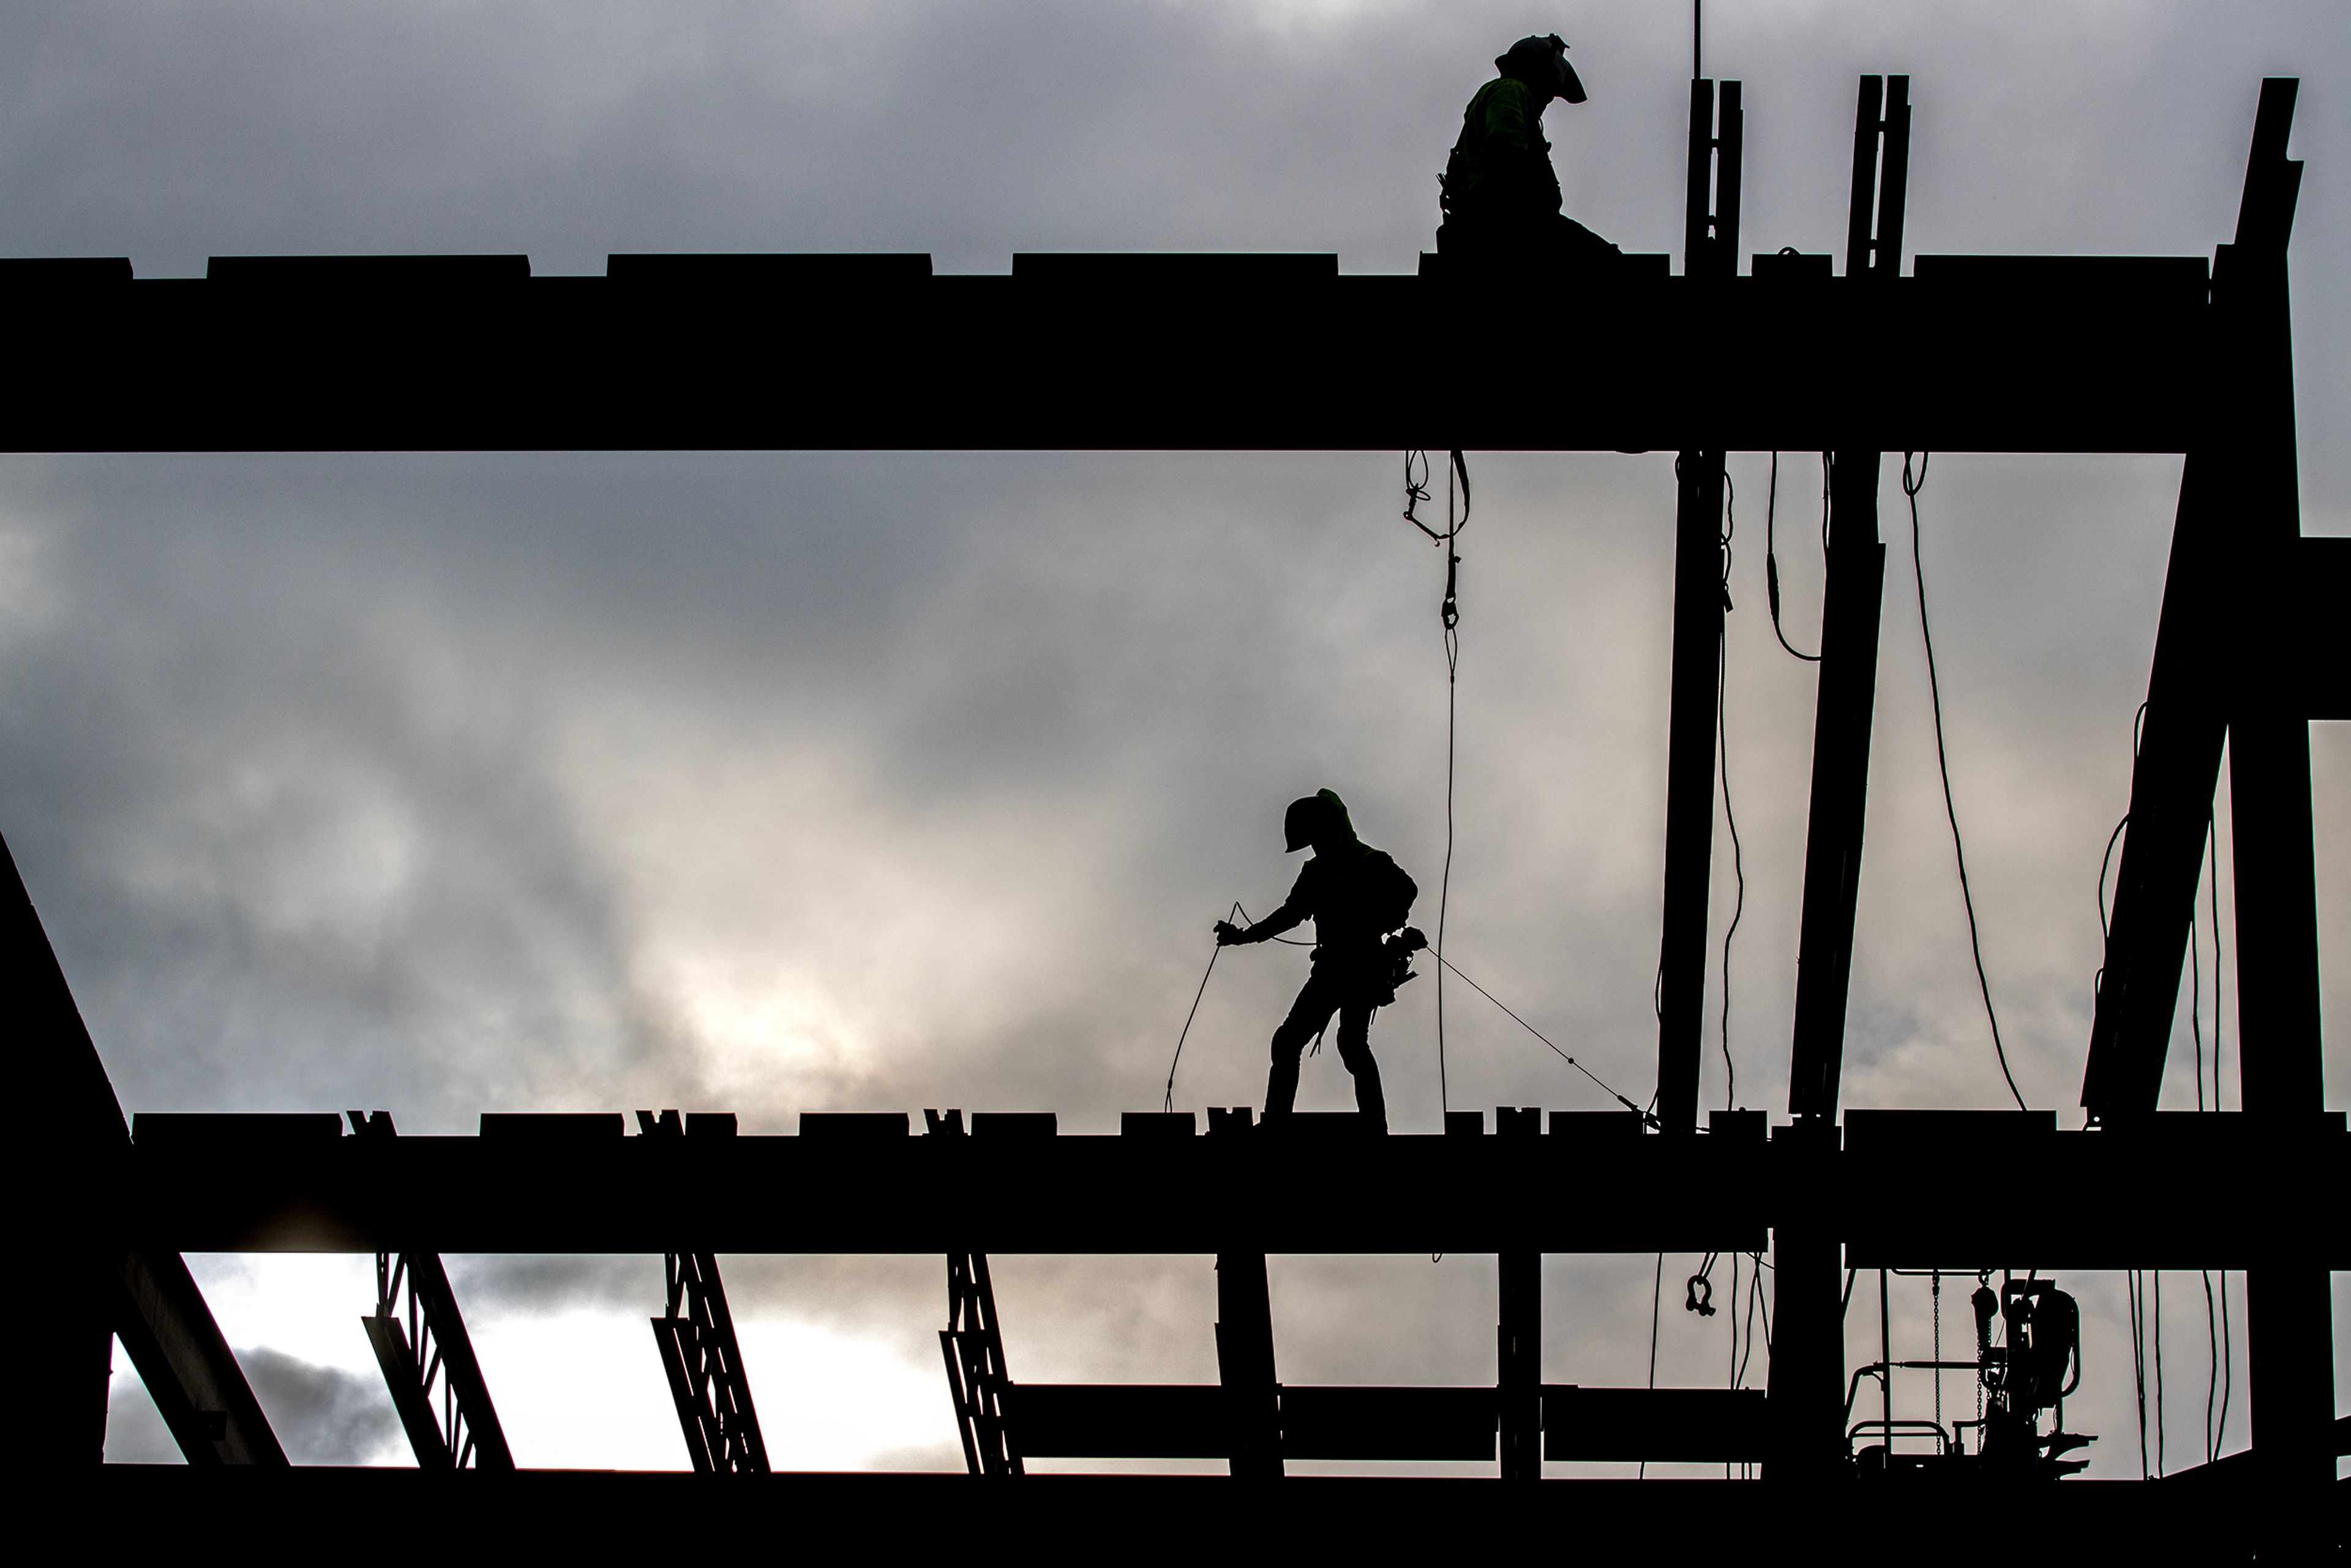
1230 935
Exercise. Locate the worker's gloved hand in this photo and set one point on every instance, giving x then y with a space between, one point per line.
1230 935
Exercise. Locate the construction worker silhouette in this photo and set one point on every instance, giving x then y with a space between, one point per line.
1357 896
1499 195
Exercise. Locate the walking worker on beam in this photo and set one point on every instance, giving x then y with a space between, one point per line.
1499 195
1356 897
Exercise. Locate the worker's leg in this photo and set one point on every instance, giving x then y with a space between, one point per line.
1570 243
1355 1050
1316 1002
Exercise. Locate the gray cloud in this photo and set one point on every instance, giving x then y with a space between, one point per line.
322 1415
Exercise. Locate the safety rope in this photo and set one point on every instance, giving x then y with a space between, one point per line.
1647 1118
1449 614
1168 1101
1910 487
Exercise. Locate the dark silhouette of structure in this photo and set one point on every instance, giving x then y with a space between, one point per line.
1358 898
1498 193
1966 353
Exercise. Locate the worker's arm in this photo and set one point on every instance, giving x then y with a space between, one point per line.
1283 919
1296 910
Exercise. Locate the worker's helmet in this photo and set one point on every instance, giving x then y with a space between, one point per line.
1310 818
1541 62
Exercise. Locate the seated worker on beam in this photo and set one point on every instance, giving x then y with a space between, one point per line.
1499 195
1357 895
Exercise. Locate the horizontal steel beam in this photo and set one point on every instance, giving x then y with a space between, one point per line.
2002 353
158 1508
2064 1199
1070 1420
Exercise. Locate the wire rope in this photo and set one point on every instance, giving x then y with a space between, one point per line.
1167 1100
1910 487
1645 1117
1416 491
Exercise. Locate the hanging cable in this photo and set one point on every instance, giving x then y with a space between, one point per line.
2138 1360
2213 833
1738 863
1771 565
1168 1101
1910 487
1656 1300
2228 1371
1754 1297
1416 491
2227 1343
2158 1374
2105 862
1722 762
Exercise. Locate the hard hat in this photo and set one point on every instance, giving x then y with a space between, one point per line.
1311 817
1541 61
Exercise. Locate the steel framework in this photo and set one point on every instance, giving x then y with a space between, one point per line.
2108 354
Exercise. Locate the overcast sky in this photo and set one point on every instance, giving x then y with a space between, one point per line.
809 781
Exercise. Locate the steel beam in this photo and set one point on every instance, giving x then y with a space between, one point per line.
2228 661
2004 354
1458 1424
187 1365
429 1367
71 1152
1849 624
1180 1195
1710 186
1806 1373
1250 1392
1700 600
2289 1311
1840 792
1518 1337
978 1382
156 1510
101 1278
1711 253
427 1358
696 1338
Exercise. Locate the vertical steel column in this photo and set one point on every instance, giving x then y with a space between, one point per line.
2220 666
1807 1378
1518 1338
1848 701
1245 1365
2289 1326
1698 598
1709 249
1805 1406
